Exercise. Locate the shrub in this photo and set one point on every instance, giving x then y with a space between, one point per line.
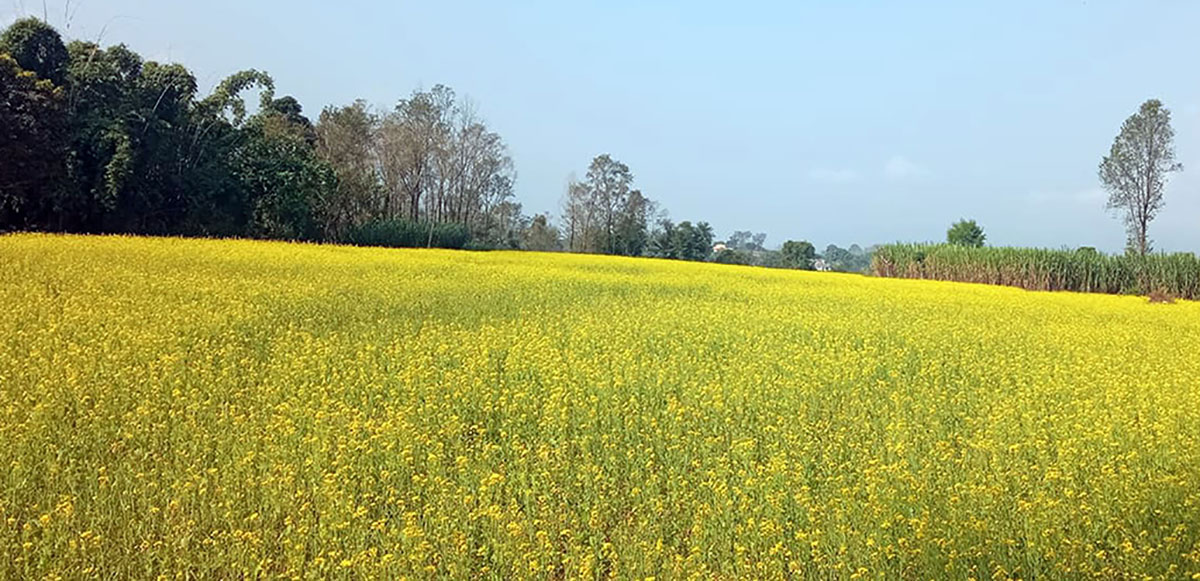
407 234
727 256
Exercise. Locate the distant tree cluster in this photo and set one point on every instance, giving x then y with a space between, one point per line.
743 247
101 140
853 259
604 213
682 241
429 160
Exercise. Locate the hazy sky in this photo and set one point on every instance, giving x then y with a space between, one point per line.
831 121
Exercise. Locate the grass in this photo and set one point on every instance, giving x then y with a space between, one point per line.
1175 275
218 409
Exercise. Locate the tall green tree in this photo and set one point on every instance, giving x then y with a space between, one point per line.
37 48
284 180
689 241
411 138
146 155
609 182
1136 169
128 124
33 148
966 233
797 254
632 228
661 238
682 241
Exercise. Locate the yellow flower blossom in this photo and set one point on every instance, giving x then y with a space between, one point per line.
221 409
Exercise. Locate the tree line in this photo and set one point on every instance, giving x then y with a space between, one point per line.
100 140
605 213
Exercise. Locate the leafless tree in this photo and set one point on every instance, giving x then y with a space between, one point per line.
346 141
432 160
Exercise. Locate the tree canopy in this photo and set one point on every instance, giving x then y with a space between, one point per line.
1136 169
98 139
966 233
37 48
798 254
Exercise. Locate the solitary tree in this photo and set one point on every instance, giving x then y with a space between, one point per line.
1136 169
966 233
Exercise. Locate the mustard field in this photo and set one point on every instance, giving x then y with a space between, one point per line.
232 409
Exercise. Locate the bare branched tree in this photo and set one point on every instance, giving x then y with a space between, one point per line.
604 213
1136 170
431 159
345 140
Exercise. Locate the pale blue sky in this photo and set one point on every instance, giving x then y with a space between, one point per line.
836 122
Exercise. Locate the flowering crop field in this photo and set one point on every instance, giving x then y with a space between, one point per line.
218 409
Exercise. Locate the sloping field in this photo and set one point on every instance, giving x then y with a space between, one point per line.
248 409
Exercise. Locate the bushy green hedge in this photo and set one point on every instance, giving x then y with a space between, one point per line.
406 234
1083 270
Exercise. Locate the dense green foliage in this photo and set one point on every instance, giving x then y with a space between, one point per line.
32 144
37 48
682 241
799 255
100 140
1083 270
966 233
407 234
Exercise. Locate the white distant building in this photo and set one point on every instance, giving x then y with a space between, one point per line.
821 265
719 247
